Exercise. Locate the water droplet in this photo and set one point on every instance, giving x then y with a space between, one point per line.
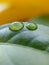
16 26
31 26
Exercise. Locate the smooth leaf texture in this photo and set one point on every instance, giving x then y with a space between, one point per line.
21 55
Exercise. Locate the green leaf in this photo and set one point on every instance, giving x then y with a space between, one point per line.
21 55
38 38
25 46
